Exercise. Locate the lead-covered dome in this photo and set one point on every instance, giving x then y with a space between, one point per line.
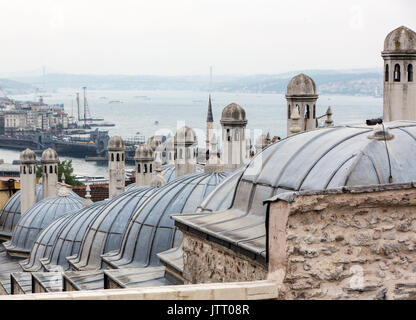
11 212
151 230
301 85
39 217
49 156
233 113
401 39
43 244
321 159
116 144
106 228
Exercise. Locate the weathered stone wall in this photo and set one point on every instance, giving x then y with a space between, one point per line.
347 245
208 262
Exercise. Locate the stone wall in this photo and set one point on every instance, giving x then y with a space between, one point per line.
208 262
357 243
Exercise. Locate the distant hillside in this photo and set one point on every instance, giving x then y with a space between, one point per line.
13 87
351 82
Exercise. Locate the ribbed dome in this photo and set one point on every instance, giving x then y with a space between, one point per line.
69 236
185 135
43 244
151 230
315 160
143 152
233 113
106 227
221 197
27 156
301 85
37 218
11 211
116 144
49 156
399 40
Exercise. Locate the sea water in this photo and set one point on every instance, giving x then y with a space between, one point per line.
162 112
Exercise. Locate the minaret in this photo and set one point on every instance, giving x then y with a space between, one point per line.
185 151
399 98
301 94
116 166
50 163
210 128
144 165
27 179
234 145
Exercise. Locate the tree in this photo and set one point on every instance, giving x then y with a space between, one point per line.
66 168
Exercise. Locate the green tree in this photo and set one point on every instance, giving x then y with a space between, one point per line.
66 168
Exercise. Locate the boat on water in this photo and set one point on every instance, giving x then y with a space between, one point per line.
115 101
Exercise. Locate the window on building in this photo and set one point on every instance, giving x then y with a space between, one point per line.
145 168
118 157
386 74
50 169
397 73
122 157
151 168
112 157
288 111
30 170
314 111
228 135
138 168
410 73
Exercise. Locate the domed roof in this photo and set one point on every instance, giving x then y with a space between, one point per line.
221 197
68 237
37 218
321 159
301 85
43 244
143 152
151 230
106 228
49 156
400 39
154 142
116 144
27 156
233 113
185 135
11 211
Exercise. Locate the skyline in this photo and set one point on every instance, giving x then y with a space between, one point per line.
186 37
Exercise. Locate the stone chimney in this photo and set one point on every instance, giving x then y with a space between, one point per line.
116 166
50 162
144 165
27 179
185 151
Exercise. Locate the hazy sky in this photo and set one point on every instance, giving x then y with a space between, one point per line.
187 36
